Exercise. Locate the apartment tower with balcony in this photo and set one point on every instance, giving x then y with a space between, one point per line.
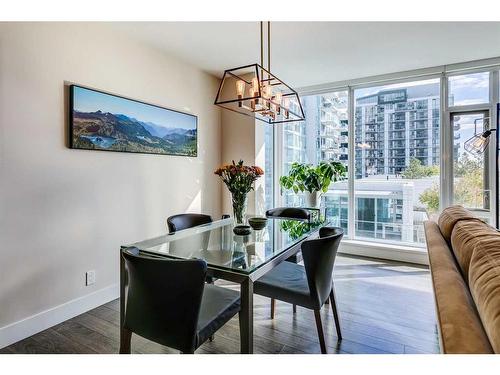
395 126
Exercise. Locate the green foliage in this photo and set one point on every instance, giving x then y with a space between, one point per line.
296 229
468 187
417 170
465 165
430 198
305 177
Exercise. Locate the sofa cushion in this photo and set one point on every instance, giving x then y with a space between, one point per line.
484 283
464 238
449 217
459 324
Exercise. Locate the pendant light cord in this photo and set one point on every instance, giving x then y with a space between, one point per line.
269 46
261 43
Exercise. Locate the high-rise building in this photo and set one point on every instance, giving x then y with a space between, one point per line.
394 126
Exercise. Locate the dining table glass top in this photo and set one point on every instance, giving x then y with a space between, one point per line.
221 248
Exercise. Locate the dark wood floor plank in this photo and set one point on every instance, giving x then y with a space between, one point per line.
262 344
350 340
384 307
7 350
425 341
411 350
107 314
29 346
104 327
54 342
114 305
93 340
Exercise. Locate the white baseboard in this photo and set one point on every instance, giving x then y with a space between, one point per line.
36 323
385 251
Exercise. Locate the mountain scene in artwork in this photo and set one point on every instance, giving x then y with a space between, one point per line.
106 122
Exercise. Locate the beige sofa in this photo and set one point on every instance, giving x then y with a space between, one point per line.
464 257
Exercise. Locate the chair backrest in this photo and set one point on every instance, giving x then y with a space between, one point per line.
319 258
184 221
289 213
164 298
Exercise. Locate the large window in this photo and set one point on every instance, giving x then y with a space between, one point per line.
403 144
396 159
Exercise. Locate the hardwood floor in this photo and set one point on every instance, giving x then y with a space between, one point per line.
385 307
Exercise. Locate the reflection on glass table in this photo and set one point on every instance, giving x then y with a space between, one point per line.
221 248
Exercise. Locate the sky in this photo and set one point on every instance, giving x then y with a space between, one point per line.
373 90
466 89
86 100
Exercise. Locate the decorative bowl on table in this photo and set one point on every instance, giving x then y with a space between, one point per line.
242 230
257 223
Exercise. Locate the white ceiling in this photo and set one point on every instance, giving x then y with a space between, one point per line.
309 53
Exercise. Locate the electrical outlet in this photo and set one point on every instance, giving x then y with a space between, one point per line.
90 277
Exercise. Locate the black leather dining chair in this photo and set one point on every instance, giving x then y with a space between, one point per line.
310 285
168 302
294 213
185 221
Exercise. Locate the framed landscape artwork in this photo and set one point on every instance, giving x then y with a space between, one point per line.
101 121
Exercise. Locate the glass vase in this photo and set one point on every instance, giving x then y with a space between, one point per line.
239 207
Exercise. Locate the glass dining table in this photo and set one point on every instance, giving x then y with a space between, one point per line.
236 258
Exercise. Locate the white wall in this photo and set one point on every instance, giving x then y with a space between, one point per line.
64 211
238 142
243 138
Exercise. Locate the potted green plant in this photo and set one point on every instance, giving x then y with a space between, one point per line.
313 180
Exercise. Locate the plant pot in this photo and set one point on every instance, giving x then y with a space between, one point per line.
313 200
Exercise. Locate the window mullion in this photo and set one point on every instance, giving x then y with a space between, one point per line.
351 163
446 148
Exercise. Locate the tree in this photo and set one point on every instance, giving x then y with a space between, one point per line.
430 198
417 170
468 187
465 165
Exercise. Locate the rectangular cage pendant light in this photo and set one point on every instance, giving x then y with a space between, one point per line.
253 91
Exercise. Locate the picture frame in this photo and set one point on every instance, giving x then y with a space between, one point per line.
102 121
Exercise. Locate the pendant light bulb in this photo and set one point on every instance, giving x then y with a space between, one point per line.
268 92
255 86
278 98
240 88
